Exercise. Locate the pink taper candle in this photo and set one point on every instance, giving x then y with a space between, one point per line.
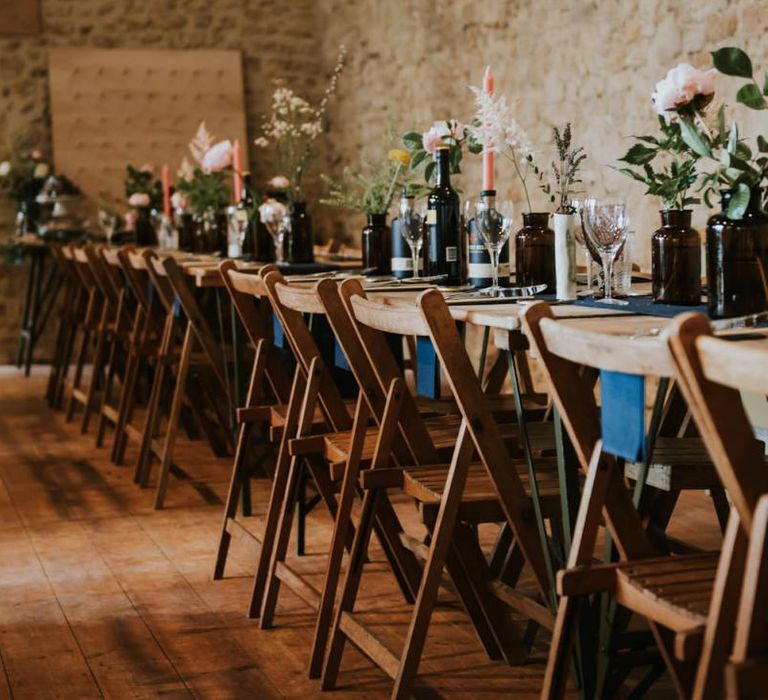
488 155
237 166
166 181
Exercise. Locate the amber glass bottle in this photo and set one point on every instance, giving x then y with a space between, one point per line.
676 260
377 244
535 252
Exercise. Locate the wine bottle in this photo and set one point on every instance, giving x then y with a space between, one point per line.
246 221
445 254
479 273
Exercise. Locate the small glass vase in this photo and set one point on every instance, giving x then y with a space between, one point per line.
737 260
676 260
299 244
535 252
377 244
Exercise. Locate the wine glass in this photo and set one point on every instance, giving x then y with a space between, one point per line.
494 224
108 221
605 223
412 228
274 215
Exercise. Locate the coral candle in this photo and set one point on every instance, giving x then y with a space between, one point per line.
488 155
237 166
166 180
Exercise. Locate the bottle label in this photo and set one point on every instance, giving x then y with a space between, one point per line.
432 217
451 253
241 215
405 264
484 271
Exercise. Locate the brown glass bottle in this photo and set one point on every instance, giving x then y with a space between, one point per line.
145 229
377 244
535 252
300 243
187 228
737 260
676 260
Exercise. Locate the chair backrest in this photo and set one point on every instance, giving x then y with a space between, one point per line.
305 348
248 295
571 354
371 320
712 372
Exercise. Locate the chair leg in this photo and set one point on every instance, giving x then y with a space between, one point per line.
101 425
351 587
97 366
173 418
279 484
125 406
78 377
144 459
433 571
341 529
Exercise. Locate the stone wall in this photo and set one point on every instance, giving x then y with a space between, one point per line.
277 39
409 62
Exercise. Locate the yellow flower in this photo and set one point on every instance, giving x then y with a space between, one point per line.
398 155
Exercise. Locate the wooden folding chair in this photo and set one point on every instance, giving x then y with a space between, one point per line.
569 358
142 348
198 377
267 396
321 436
70 311
712 373
452 498
89 328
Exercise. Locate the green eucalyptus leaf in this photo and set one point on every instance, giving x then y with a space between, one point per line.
733 138
634 175
732 61
721 122
765 85
762 144
739 201
693 139
743 151
750 96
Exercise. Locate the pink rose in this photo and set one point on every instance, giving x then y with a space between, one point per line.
130 220
279 182
139 199
681 86
147 168
457 129
218 157
434 138
36 154
179 200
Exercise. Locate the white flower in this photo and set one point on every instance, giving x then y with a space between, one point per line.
272 212
279 182
179 200
261 142
139 199
681 86
5 168
201 143
186 170
497 126
41 171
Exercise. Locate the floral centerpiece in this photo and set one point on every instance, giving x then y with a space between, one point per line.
293 128
371 193
21 179
422 146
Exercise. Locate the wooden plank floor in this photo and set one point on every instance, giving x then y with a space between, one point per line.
101 596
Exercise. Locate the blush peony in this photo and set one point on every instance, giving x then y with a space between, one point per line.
682 86
139 199
218 157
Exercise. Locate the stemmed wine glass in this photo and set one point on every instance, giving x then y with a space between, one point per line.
494 224
274 215
412 228
605 223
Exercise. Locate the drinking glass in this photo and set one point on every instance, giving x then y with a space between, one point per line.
412 228
605 223
279 231
108 222
494 224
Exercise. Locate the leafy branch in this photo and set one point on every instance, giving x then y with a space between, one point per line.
564 171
